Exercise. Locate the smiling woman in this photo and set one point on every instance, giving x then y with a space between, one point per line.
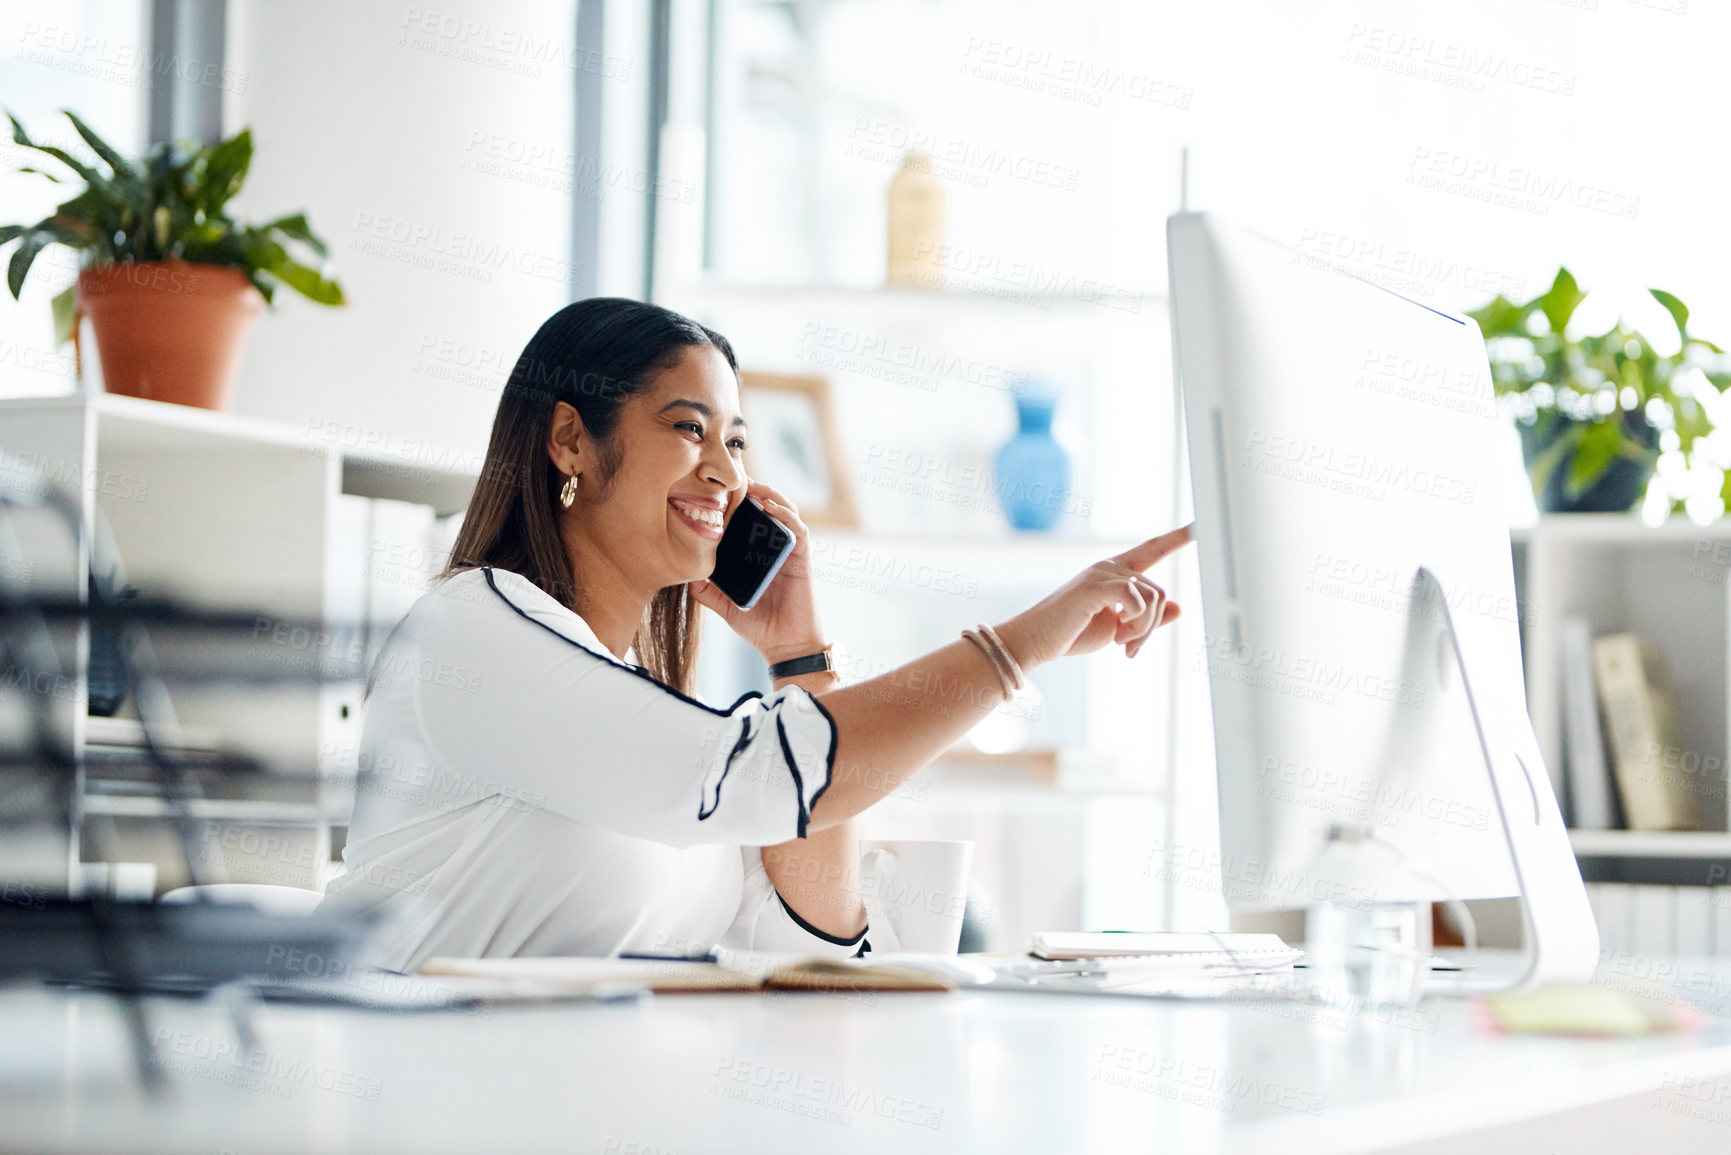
552 470
574 797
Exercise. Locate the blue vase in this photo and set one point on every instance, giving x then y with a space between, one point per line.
1031 473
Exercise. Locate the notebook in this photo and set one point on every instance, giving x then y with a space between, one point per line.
744 972
1258 949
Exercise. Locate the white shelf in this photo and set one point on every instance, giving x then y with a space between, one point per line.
445 488
128 734
821 296
1651 843
1618 529
412 471
208 809
135 422
975 543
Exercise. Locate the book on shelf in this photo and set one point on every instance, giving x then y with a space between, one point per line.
1592 797
1657 791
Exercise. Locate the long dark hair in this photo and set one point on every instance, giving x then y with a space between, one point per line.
593 355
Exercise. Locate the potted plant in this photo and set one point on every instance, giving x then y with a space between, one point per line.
170 282
1596 413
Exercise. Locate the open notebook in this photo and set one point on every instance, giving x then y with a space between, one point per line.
578 977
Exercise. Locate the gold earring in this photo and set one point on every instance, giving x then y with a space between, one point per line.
568 494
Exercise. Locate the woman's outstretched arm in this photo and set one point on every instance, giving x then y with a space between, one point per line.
890 726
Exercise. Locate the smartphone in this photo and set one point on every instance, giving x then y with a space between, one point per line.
750 554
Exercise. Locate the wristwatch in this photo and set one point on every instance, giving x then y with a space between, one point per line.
819 662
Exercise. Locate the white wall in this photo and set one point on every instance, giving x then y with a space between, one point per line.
1305 119
429 148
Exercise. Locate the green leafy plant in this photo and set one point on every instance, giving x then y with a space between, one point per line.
1587 404
171 205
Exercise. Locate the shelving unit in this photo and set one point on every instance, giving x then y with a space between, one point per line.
1667 583
241 810
222 512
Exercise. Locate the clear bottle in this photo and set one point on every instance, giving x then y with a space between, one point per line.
1359 949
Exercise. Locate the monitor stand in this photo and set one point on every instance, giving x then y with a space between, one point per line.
1454 659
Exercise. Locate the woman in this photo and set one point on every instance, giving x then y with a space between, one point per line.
536 778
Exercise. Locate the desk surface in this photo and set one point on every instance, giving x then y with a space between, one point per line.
978 1071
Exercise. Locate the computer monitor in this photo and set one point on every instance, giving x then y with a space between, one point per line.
1361 630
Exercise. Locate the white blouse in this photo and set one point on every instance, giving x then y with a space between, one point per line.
523 792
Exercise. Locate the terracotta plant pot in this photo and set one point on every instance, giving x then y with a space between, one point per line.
169 330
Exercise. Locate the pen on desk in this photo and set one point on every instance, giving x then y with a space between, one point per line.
708 956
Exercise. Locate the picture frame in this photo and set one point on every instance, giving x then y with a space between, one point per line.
792 445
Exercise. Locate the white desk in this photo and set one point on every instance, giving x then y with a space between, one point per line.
865 1073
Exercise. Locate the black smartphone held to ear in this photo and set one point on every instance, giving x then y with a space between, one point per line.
750 553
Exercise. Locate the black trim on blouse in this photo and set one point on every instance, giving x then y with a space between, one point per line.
804 814
798 780
828 758
487 572
744 741
810 929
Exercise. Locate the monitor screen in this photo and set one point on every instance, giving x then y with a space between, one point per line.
1342 438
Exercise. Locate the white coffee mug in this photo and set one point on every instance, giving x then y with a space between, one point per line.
915 892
